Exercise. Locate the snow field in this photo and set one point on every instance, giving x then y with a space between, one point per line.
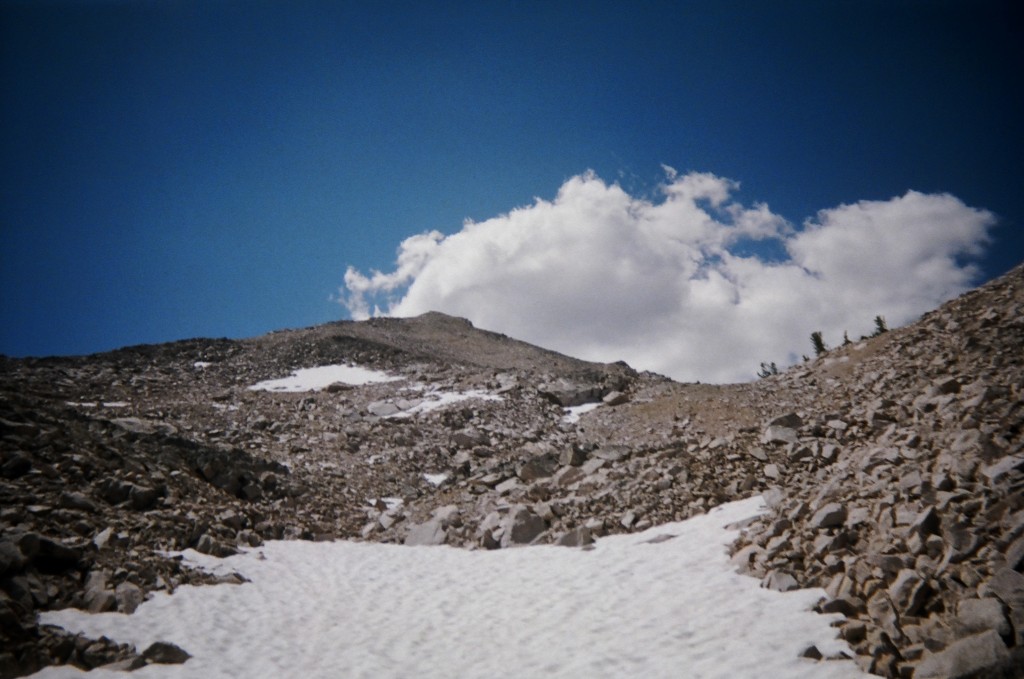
312 379
629 607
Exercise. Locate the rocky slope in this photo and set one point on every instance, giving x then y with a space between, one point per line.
893 469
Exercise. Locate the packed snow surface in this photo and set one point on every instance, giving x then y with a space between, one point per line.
638 605
572 414
312 379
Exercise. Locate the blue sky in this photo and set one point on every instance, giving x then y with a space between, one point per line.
181 169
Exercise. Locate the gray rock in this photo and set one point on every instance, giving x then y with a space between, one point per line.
383 409
427 534
1015 553
945 385
831 515
469 438
11 558
577 537
521 527
909 592
780 582
966 656
77 501
611 453
779 434
615 398
567 394
540 467
1008 464
96 595
165 653
143 498
129 597
1008 586
790 420
573 455
979 615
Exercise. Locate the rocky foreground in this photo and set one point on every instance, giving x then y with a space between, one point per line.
893 468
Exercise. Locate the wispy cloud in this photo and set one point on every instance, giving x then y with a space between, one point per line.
682 285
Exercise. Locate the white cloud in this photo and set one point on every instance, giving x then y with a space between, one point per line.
599 274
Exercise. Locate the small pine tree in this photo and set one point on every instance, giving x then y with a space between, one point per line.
818 343
880 326
846 339
768 369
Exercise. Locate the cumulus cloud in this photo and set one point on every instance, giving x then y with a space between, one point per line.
676 285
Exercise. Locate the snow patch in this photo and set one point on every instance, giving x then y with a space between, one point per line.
435 479
635 605
573 414
313 379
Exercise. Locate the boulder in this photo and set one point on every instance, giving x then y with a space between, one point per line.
426 534
129 597
615 398
832 515
539 467
165 653
964 657
577 537
522 526
573 455
790 420
778 434
567 393
980 615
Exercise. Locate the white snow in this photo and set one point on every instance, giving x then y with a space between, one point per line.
573 413
201 365
435 400
312 379
435 479
628 608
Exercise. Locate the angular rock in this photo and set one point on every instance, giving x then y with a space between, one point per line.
165 653
615 398
426 534
521 527
77 501
11 558
778 434
567 394
540 467
577 537
780 582
964 657
831 515
790 420
909 592
979 615
383 409
129 597
573 455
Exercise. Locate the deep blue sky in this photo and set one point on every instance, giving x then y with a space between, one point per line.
179 169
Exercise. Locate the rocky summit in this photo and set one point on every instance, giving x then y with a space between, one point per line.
892 468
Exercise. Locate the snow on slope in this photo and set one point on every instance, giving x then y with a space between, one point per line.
312 379
632 606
